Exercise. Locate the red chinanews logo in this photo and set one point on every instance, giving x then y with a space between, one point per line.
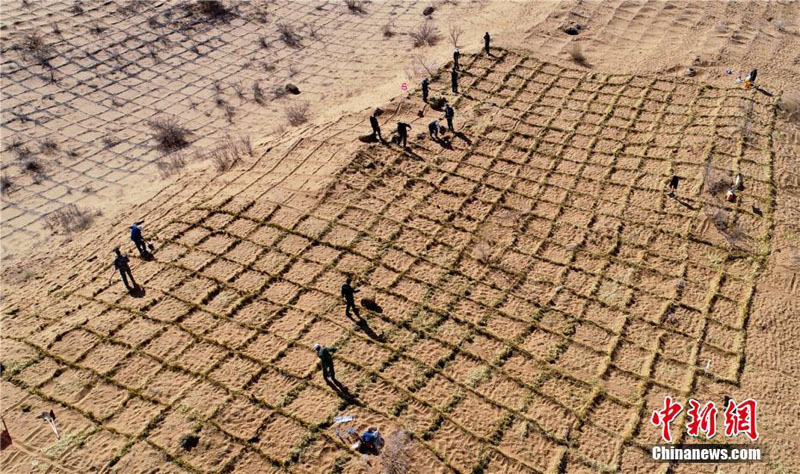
740 418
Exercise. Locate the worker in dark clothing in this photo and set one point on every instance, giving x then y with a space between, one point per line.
448 114
456 55
486 39
138 239
454 80
326 358
433 129
425 90
121 264
673 185
348 293
402 132
376 128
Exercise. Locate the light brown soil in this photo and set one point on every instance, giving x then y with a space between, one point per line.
541 293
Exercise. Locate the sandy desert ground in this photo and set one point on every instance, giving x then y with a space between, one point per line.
540 293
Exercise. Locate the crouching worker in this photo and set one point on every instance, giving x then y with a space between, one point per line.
370 442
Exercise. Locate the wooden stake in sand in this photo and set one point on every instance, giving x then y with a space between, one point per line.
50 418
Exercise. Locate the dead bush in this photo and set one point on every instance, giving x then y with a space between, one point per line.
6 185
288 34
227 109
355 6
297 113
237 87
455 34
69 218
171 164
170 136
313 30
388 30
48 146
258 94
35 47
425 34
207 11
279 91
395 458
31 165
230 152
789 106
575 52
111 141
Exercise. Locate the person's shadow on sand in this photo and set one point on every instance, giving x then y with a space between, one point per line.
137 292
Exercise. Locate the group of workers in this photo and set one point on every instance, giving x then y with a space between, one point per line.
434 127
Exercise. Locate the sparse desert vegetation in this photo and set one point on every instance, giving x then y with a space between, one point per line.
297 113
425 34
169 135
69 219
288 34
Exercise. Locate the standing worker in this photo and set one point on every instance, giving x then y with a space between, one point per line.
425 90
348 293
326 358
138 239
456 55
121 264
673 185
486 39
376 128
448 114
454 80
402 132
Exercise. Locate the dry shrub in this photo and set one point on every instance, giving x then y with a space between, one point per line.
239 90
789 106
575 52
69 218
388 30
210 11
395 458
169 135
425 34
313 30
279 91
227 108
6 185
258 94
297 113
48 146
288 34
229 153
171 164
455 34
355 6
35 47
